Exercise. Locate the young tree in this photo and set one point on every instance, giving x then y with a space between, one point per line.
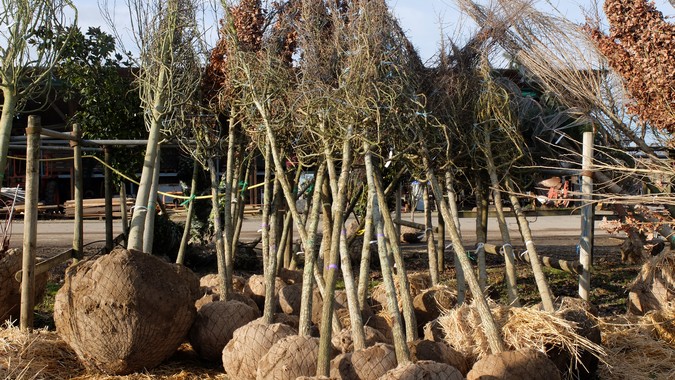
169 76
25 70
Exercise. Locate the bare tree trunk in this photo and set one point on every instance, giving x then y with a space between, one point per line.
441 239
509 258
482 210
190 214
269 256
404 283
489 327
339 204
228 228
535 261
459 271
240 208
149 229
6 120
218 231
431 244
143 196
310 255
400 345
364 270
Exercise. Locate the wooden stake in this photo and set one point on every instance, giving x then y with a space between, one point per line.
107 183
586 240
78 228
30 223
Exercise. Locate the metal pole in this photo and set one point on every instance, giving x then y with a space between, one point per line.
78 228
586 240
107 183
30 223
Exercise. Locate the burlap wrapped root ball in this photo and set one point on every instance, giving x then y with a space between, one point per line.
210 284
418 282
411 235
344 342
431 303
213 297
290 276
248 345
423 370
439 352
125 311
289 358
583 316
374 361
215 324
255 289
290 299
654 287
526 364
10 289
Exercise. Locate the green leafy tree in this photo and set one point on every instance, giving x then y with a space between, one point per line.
25 72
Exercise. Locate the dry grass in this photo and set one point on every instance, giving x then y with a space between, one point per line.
521 328
42 354
633 350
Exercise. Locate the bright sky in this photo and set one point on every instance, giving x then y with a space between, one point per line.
421 19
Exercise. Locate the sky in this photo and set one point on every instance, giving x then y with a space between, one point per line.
423 20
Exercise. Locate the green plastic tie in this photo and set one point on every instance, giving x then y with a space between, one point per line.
185 202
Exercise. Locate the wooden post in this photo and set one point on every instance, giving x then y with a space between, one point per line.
30 223
123 211
586 240
78 228
107 183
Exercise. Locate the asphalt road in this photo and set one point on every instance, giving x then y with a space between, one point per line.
59 233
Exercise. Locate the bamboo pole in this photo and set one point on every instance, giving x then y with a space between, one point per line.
107 184
586 240
78 226
30 223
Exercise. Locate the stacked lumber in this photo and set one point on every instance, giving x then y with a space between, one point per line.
95 208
